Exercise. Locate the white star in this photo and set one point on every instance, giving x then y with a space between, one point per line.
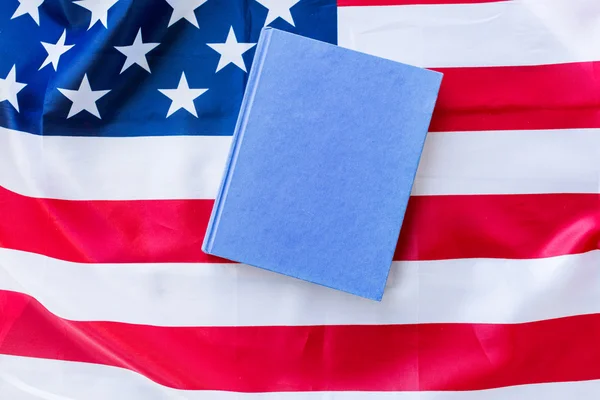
56 50
9 87
136 53
231 51
99 10
182 97
279 9
185 9
84 98
29 7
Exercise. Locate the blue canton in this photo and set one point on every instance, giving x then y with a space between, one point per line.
138 67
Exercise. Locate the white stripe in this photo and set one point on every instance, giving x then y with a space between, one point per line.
547 161
31 378
106 168
464 290
510 162
517 32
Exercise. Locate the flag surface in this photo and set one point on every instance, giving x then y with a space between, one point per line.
115 122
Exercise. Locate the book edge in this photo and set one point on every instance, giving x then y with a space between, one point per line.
238 135
362 53
427 123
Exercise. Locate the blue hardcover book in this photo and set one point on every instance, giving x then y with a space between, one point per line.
322 163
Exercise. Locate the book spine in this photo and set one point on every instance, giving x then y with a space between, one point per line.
238 135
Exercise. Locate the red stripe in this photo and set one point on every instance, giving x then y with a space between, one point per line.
558 96
106 231
314 358
351 3
500 226
435 227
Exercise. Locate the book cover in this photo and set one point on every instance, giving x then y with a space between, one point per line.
322 163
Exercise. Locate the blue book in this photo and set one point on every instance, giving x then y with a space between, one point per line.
322 163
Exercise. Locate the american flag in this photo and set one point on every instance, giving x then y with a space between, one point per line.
115 121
